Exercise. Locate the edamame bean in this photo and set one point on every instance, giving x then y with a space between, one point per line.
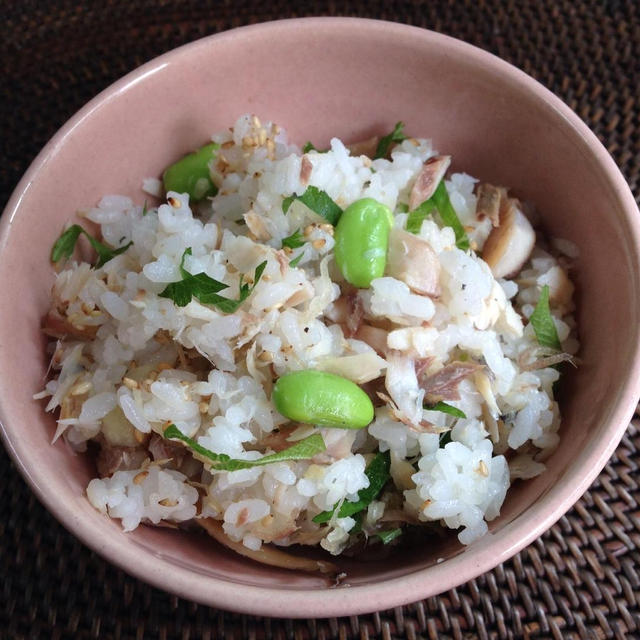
362 237
316 397
191 174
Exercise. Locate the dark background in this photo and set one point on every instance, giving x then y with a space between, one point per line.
579 580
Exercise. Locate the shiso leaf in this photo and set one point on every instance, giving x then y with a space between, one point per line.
309 146
397 135
205 289
287 202
438 201
294 263
449 216
192 175
388 536
66 243
447 408
293 241
318 201
378 473
418 215
542 322
302 450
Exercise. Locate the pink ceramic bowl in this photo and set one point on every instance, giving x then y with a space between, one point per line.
319 78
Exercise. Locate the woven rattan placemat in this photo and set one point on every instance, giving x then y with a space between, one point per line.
580 579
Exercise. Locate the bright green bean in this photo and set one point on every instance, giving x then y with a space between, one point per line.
316 397
362 237
191 174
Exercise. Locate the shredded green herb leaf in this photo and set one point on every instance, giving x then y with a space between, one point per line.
445 439
144 209
357 527
402 207
378 473
294 241
447 408
418 215
397 135
294 263
318 201
287 202
542 322
449 215
66 243
309 146
206 289
388 536
440 201
302 450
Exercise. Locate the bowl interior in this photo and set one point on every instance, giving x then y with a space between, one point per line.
322 78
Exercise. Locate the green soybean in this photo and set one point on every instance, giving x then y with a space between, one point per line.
316 397
362 238
191 174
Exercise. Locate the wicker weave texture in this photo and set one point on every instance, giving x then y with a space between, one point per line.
579 580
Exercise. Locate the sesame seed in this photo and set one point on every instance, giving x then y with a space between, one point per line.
81 388
482 469
138 479
130 383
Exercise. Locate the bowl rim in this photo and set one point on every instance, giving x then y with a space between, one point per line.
358 599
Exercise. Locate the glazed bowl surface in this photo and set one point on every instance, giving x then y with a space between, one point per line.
319 78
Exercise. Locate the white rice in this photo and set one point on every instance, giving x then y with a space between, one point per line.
143 367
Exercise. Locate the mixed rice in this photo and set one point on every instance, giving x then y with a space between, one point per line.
170 387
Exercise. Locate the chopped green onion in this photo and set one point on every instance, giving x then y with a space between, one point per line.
66 243
397 135
318 201
378 473
542 322
302 450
